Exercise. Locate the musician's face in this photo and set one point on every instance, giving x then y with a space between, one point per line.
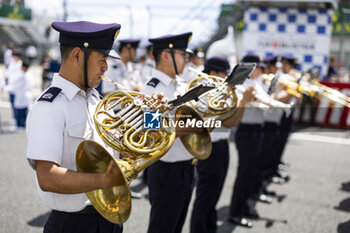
132 54
286 67
272 69
181 57
97 66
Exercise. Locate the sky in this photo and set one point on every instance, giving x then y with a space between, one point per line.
140 19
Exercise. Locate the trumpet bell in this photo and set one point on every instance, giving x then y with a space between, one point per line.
197 144
113 203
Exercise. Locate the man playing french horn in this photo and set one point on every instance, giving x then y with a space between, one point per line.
61 119
170 180
211 172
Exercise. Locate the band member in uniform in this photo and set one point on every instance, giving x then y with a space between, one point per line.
170 180
61 119
248 140
148 66
212 171
289 64
122 71
196 61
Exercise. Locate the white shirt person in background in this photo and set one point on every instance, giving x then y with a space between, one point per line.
22 92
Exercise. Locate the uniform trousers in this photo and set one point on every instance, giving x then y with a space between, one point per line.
12 101
86 221
285 128
170 188
211 177
270 149
21 116
248 140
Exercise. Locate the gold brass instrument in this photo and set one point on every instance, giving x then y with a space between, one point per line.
308 84
330 93
216 102
197 144
200 144
119 122
294 83
264 101
221 102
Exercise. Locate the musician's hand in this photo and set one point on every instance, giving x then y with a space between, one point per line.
248 95
160 97
112 176
136 89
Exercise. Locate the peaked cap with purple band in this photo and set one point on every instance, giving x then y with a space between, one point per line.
216 63
89 35
179 41
272 59
129 43
289 58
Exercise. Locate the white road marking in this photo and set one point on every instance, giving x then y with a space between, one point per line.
318 138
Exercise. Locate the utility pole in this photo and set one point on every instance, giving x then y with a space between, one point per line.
65 13
131 22
149 21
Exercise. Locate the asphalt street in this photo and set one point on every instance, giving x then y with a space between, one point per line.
316 199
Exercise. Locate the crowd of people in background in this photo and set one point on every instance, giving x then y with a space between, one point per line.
337 71
17 82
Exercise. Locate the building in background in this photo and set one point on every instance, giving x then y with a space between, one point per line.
20 26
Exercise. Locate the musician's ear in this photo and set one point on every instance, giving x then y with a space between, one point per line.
165 56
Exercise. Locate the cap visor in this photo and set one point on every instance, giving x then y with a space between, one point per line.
187 50
109 53
261 64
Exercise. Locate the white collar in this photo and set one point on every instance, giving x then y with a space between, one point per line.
164 78
69 89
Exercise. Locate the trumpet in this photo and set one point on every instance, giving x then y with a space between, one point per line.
295 83
330 93
307 84
119 122
264 101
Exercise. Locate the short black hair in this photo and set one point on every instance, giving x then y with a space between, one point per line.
25 63
66 49
156 54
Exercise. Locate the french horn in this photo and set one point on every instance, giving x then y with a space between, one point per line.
119 122
220 103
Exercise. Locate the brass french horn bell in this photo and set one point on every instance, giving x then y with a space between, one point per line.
113 203
197 144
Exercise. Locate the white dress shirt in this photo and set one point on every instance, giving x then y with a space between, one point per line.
171 89
252 115
21 89
11 73
124 75
188 75
146 70
54 131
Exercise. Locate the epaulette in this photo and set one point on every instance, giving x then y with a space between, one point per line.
153 82
50 94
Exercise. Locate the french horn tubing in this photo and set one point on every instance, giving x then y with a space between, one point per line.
119 122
